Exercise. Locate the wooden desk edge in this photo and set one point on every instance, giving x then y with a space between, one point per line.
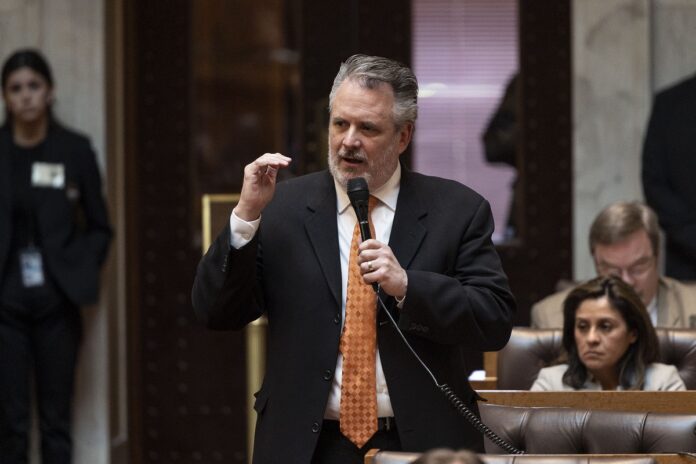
679 402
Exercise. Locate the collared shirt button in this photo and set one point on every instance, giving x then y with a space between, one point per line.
316 427
328 374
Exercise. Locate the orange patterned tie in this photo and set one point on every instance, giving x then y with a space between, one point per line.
358 414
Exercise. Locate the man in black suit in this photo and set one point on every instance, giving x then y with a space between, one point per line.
669 165
285 253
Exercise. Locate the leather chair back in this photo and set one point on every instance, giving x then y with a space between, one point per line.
529 350
572 431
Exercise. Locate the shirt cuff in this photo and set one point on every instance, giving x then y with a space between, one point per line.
241 231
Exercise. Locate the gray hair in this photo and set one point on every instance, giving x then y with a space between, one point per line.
371 71
621 219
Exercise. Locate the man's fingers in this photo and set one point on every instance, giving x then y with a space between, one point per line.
272 161
266 166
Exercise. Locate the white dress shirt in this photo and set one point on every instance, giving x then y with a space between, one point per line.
382 218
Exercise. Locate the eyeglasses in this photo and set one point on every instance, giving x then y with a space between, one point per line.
636 270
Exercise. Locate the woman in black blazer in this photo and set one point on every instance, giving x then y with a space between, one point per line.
54 236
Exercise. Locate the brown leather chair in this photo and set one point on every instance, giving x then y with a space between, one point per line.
573 431
529 350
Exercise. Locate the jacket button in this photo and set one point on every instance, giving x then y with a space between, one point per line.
315 427
328 375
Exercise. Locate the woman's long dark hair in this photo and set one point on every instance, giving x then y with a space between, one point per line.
26 58
645 350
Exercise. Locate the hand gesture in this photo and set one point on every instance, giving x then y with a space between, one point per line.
259 185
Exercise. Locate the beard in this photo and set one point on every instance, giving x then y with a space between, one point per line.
376 170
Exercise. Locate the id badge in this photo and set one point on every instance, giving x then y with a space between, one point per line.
31 265
50 175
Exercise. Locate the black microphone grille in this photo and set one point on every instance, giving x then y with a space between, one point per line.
357 188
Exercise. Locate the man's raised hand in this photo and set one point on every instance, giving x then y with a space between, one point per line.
259 184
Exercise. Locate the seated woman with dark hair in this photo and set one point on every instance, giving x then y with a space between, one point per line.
609 343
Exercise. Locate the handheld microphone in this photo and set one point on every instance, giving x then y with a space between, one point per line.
359 196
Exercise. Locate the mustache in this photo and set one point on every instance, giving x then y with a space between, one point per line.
357 155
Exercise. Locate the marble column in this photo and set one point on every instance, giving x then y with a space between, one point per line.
673 35
611 98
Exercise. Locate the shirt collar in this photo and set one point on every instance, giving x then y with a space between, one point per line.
652 310
387 193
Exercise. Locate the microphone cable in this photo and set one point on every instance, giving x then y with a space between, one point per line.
458 404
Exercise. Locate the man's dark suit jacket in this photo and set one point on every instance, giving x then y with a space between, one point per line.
458 299
72 221
669 167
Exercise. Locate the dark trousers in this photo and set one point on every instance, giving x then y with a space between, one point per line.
334 448
40 333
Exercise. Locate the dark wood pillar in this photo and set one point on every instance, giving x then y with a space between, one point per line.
543 253
186 384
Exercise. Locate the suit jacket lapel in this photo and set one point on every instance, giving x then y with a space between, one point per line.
408 230
407 234
322 230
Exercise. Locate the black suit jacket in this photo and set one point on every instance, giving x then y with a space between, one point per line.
72 221
669 167
458 299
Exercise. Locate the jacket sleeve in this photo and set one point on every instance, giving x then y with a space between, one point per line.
96 228
544 381
225 293
666 378
548 313
537 319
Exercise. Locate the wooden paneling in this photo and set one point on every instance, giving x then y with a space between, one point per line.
187 389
